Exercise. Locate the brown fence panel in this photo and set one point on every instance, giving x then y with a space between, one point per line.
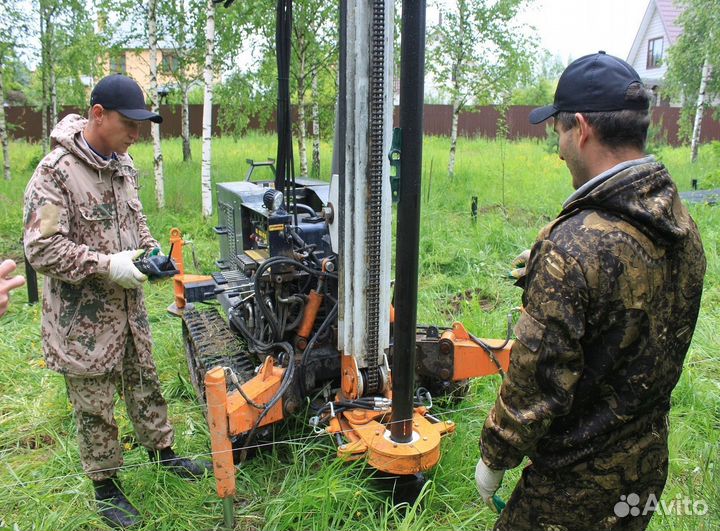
25 122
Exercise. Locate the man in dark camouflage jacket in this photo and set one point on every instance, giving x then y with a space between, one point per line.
84 224
612 293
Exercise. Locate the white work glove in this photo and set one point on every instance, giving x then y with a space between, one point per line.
487 481
123 272
520 265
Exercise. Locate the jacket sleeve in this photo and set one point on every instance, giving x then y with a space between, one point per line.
48 248
546 360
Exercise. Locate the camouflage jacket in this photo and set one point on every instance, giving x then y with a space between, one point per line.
79 209
611 298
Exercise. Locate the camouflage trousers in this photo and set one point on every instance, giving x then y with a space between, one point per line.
606 493
93 398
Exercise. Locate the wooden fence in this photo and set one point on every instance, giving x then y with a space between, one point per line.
24 122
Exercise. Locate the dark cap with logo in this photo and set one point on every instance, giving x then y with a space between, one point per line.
122 94
593 83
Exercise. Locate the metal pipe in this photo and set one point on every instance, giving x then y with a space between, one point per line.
228 516
408 225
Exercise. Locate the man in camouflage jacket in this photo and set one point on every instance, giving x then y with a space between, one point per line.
612 294
84 224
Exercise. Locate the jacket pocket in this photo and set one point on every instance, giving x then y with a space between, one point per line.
100 212
529 331
135 205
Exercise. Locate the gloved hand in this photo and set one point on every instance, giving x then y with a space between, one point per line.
519 265
488 482
122 270
156 265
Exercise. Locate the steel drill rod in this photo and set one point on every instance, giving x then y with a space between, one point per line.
228 512
412 80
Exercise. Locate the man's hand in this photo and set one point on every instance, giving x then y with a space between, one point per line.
488 482
123 272
8 284
519 265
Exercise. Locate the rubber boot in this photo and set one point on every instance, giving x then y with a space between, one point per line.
181 466
113 506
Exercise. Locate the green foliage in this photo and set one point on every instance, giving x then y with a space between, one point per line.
298 483
656 137
250 91
541 88
552 139
478 54
700 39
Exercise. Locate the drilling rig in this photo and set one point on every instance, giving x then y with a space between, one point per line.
308 308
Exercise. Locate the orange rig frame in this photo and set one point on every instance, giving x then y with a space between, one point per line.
359 432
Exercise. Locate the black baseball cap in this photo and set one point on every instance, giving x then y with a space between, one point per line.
593 83
122 94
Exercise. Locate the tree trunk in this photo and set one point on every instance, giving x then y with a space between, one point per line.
315 127
453 137
3 128
187 153
700 108
302 126
155 107
206 175
53 95
44 57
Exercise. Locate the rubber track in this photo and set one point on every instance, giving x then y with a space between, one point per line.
210 343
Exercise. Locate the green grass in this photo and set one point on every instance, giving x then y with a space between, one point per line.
298 483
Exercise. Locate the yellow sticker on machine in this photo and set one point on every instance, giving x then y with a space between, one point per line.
258 256
276 227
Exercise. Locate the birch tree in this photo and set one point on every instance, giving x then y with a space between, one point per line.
12 29
69 48
155 103
691 77
477 54
209 78
315 168
700 108
186 38
3 127
314 51
313 46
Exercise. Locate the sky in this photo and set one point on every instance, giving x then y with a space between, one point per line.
573 28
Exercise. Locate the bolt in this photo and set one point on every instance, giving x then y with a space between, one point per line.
342 446
445 347
444 374
377 433
425 438
394 445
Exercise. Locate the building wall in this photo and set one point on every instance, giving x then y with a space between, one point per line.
639 62
137 66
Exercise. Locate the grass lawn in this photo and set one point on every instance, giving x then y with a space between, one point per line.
298 483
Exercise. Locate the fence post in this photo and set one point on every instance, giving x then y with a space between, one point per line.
32 283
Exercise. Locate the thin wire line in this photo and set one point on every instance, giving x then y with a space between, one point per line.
124 467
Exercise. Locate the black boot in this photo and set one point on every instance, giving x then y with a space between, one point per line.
183 467
113 506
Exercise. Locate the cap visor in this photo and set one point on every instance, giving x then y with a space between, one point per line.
542 113
140 115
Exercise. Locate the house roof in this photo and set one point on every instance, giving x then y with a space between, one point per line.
669 13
